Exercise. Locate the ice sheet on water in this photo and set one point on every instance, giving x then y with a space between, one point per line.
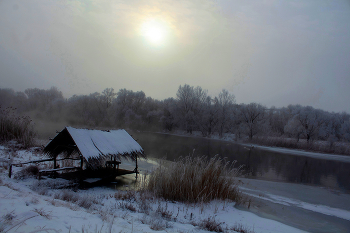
323 209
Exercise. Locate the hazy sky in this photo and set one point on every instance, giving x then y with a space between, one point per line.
266 51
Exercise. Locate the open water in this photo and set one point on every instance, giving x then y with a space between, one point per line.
258 163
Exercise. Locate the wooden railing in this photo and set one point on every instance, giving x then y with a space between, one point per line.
42 172
55 169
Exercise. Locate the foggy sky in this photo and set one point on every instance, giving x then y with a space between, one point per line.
266 51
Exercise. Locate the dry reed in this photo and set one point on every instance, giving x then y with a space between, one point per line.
196 179
14 127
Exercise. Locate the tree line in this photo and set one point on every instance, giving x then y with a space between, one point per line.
191 110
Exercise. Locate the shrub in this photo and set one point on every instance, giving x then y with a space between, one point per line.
164 212
29 171
42 213
241 229
196 179
210 224
85 202
67 195
144 202
9 216
14 127
127 206
125 195
155 223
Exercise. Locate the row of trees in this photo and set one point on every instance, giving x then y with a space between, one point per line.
192 110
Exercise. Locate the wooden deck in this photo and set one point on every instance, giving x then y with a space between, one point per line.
89 178
86 178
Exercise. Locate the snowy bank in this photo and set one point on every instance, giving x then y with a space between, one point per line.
102 209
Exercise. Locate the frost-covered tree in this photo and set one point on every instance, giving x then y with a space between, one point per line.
309 119
225 103
209 116
78 110
190 105
169 114
345 131
252 117
277 120
151 114
7 97
108 96
129 104
293 128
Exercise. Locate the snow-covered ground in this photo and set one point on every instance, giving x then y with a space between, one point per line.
30 205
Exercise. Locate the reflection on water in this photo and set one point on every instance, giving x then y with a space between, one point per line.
260 164
127 182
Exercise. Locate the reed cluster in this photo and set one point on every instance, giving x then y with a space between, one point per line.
13 127
196 179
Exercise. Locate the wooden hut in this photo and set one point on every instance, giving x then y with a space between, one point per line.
98 150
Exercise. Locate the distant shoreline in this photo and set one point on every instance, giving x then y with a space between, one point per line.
298 152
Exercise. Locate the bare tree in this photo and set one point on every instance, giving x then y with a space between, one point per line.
190 105
129 107
345 131
209 116
252 116
311 120
108 96
225 103
168 117
293 128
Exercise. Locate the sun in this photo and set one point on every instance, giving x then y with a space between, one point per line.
154 31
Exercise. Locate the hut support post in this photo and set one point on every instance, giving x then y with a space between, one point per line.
81 170
136 168
54 163
81 162
54 166
10 170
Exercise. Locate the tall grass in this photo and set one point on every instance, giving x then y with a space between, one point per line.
196 179
13 127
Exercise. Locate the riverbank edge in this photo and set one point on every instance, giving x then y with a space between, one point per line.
229 138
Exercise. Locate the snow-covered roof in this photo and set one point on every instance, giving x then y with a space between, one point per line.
93 143
96 143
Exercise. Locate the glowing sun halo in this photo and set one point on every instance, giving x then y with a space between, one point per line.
154 31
